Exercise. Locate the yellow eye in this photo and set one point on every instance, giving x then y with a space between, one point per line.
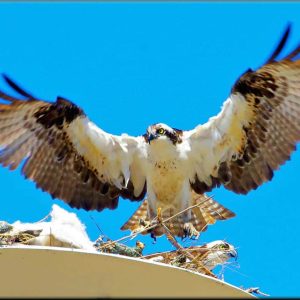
160 131
224 247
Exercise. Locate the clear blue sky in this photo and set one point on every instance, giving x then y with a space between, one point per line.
135 64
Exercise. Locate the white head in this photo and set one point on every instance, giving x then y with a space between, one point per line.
219 253
162 131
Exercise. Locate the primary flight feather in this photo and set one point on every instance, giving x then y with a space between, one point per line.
68 156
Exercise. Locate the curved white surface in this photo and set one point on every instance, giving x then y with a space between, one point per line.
60 272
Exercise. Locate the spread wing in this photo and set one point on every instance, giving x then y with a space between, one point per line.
66 154
256 130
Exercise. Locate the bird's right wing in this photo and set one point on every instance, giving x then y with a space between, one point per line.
256 130
66 154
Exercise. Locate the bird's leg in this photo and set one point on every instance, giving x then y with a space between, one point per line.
190 231
144 224
156 222
153 223
159 217
200 267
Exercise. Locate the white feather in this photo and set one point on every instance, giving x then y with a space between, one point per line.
63 230
218 139
110 155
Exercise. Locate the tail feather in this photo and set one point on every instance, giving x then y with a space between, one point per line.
134 224
207 212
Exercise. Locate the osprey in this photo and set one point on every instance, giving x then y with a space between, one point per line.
68 156
210 255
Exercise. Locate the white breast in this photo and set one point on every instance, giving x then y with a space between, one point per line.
167 184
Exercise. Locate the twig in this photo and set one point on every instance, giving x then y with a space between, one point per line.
186 209
183 251
149 227
43 219
101 231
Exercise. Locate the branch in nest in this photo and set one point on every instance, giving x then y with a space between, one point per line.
117 248
200 267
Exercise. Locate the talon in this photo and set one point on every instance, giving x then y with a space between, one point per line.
190 231
144 223
153 236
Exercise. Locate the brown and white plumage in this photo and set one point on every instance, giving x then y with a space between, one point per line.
257 129
71 158
209 255
62 153
206 212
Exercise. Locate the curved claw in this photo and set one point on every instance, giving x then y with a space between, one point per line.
190 231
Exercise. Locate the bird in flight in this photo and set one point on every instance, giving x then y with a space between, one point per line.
72 159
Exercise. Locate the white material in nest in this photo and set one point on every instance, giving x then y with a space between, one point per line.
63 230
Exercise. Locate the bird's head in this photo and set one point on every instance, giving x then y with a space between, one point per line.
222 249
162 131
219 252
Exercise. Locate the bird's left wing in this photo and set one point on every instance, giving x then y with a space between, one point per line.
66 154
255 132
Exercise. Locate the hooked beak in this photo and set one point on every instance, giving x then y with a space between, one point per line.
151 137
233 254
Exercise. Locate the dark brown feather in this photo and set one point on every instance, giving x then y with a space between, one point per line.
35 130
17 88
269 135
280 45
273 93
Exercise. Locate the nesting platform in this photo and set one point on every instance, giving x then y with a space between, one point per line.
38 271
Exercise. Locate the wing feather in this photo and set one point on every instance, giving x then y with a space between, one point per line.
206 213
67 155
256 130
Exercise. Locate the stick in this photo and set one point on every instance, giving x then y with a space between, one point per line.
181 250
148 227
